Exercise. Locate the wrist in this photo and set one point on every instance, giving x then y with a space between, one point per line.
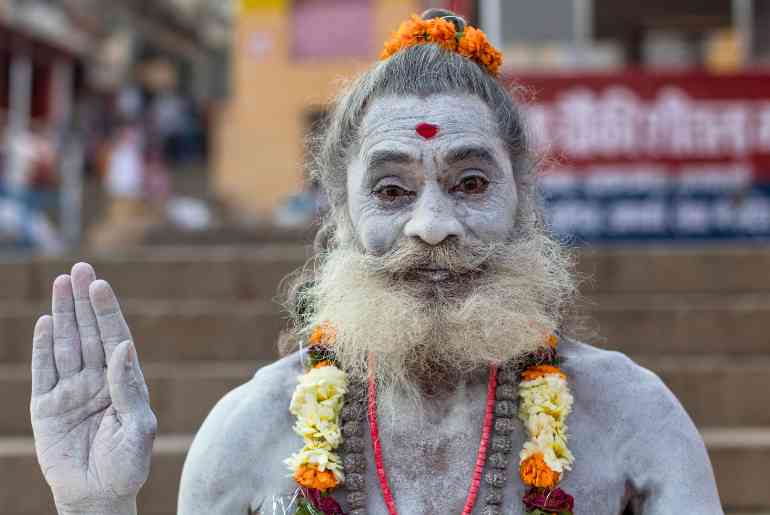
121 506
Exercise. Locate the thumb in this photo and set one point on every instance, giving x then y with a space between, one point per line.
127 387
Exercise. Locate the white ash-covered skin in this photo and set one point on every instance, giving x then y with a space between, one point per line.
91 417
635 447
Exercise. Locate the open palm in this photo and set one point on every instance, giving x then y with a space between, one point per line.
91 417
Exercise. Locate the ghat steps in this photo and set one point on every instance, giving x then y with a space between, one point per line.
204 322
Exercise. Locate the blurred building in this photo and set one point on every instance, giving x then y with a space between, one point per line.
72 70
602 34
658 113
288 59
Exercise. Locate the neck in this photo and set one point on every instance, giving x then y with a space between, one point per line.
437 381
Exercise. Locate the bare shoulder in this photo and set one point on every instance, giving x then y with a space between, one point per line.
240 447
629 402
611 377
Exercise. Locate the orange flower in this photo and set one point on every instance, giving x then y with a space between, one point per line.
535 472
472 44
475 46
323 334
442 33
311 477
539 371
324 363
553 341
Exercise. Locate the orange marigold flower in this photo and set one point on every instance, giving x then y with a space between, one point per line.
535 472
553 341
416 30
442 33
310 477
323 334
472 44
539 371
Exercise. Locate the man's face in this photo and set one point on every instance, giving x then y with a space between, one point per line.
433 279
431 169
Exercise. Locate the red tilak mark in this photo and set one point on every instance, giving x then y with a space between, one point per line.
427 130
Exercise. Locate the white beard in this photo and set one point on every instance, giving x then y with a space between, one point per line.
500 303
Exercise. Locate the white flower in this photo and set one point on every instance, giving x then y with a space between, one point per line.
320 457
317 402
544 404
548 394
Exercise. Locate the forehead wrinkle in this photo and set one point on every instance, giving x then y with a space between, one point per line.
450 112
390 124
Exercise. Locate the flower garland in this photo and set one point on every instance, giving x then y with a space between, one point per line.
319 404
544 404
471 42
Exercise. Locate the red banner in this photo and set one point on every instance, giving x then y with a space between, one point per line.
640 155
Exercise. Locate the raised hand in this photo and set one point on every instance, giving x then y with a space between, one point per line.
91 416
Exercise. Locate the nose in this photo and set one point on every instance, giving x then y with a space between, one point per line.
433 219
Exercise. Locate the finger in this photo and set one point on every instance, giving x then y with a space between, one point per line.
93 353
44 376
66 339
127 388
112 326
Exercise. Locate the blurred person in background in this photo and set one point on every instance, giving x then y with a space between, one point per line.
29 173
136 177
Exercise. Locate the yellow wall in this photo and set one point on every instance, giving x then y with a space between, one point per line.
258 149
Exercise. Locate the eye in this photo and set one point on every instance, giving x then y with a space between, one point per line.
471 185
391 193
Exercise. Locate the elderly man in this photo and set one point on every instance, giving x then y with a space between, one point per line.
435 374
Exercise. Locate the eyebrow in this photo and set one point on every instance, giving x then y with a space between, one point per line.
385 157
469 152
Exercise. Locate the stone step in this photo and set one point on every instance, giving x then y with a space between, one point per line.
716 391
741 459
25 491
660 269
224 331
682 324
165 273
181 395
170 330
254 272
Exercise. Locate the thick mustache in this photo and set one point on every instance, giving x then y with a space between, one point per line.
413 255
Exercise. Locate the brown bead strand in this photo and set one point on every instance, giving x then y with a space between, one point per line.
501 446
353 421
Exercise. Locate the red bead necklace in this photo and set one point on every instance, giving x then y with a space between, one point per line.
481 457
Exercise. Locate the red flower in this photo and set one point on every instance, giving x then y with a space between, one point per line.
556 500
325 503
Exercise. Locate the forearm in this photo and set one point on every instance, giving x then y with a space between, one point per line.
118 507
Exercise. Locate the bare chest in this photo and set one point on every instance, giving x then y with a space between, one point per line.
429 455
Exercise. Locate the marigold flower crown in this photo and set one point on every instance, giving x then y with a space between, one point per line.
450 33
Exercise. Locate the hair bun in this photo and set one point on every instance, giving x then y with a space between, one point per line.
458 21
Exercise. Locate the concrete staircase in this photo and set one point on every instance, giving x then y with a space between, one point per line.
204 321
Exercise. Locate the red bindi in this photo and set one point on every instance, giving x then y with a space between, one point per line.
427 130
